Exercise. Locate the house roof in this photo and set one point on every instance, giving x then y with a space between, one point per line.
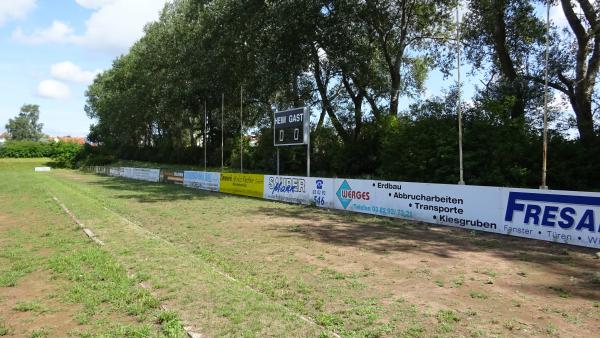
80 140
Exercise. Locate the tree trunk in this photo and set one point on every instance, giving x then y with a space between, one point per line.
357 100
322 88
582 105
586 68
506 64
395 92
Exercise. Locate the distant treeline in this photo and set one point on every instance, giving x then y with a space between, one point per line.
63 154
353 63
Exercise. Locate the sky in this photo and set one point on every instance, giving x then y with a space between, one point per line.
51 50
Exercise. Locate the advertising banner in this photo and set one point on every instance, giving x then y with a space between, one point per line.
202 180
101 170
557 216
292 189
321 193
115 171
142 174
242 184
302 190
172 176
452 205
128 173
552 215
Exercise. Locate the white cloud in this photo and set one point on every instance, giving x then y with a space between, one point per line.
94 4
53 89
58 32
69 72
15 9
113 27
117 25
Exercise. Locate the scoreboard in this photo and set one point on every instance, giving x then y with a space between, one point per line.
291 127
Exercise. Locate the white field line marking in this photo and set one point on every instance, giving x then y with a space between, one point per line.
213 268
87 231
224 274
92 236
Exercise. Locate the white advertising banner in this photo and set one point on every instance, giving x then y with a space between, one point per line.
557 216
202 180
142 174
433 203
128 172
321 192
552 215
116 171
302 190
292 189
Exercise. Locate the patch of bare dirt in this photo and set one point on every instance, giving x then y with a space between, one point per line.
499 285
47 314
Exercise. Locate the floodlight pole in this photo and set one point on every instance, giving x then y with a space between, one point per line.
205 127
241 130
545 146
307 132
222 113
308 159
458 100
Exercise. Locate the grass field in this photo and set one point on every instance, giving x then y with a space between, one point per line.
232 266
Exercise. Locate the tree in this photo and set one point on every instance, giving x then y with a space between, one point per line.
508 38
505 36
25 126
575 64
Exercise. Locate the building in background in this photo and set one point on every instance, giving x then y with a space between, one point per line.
79 140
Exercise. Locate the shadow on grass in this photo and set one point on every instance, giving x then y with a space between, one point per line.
386 235
149 192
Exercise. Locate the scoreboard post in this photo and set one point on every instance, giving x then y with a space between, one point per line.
290 128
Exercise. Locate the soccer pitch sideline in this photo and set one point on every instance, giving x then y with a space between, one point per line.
231 266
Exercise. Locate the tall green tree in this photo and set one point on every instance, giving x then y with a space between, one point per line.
576 63
25 125
506 38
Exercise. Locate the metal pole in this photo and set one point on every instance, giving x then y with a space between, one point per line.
205 127
308 159
545 146
307 132
458 100
222 113
277 161
241 130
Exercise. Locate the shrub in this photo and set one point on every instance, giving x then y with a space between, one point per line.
66 154
25 149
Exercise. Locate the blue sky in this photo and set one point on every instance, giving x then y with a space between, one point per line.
52 49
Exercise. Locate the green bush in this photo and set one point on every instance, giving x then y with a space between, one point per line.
25 149
63 154
66 154
94 155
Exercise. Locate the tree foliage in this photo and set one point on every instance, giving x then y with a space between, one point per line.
63 154
352 62
507 38
25 125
